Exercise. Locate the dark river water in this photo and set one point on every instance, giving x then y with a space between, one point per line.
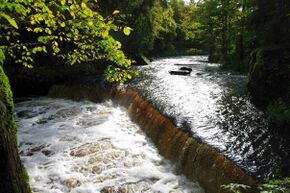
214 107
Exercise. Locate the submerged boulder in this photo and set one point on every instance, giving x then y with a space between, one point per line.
179 72
186 69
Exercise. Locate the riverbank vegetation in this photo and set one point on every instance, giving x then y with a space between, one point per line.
252 36
271 186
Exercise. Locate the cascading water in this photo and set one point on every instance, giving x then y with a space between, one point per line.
85 147
213 106
210 105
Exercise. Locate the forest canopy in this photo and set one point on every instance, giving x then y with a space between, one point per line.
72 31
230 32
85 31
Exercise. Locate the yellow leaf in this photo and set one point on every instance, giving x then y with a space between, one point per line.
37 30
62 2
105 33
83 5
73 14
47 30
116 12
90 23
55 43
127 30
62 24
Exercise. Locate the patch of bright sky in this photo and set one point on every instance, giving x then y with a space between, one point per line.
187 1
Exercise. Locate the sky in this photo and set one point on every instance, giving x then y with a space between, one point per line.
186 1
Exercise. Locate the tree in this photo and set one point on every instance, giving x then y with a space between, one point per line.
164 27
70 30
223 29
151 20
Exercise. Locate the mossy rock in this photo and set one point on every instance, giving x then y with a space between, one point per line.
13 176
5 91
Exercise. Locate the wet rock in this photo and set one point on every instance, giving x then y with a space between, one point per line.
94 122
72 183
37 178
128 188
179 72
107 157
47 152
183 64
105 178
186 69
42 121
24 114
88 149
38 148
31 151
97 170
68 138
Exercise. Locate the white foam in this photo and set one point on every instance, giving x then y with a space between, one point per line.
83 147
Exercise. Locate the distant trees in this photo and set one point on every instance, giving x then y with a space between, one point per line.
151 20
222 29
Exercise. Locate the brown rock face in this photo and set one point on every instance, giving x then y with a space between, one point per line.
199 162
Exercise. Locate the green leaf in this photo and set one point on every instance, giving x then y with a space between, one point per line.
127 31
9 19
40 39
2 57
62 24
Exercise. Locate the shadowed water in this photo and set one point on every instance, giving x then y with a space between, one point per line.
214 107
82 147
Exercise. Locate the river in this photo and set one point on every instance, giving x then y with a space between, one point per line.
214 107
86 147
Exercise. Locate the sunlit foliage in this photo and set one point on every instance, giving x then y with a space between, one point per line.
71 30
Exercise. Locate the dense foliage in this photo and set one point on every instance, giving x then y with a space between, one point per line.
271 186
70 30
151 20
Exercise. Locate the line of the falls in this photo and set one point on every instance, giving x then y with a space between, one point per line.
198 161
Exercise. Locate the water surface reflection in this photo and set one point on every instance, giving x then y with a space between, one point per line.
214 106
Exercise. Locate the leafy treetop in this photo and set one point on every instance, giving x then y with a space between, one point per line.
72 30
